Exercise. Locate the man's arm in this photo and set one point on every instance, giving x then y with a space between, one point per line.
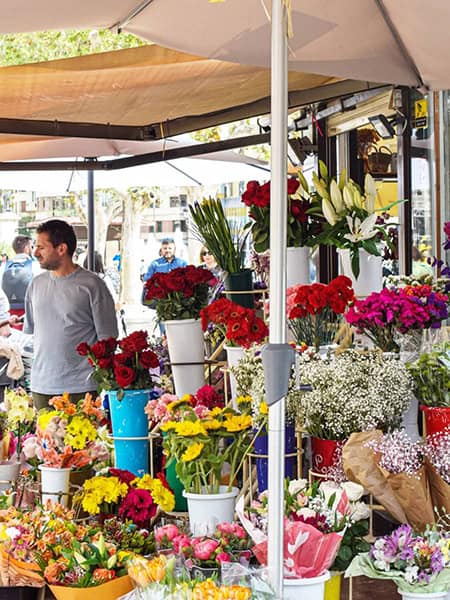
104 313
29 317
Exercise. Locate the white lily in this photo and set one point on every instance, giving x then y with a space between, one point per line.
328 211
360 231
371 192
348 197
336 197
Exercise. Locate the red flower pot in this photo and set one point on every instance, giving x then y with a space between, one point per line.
326 454
437 419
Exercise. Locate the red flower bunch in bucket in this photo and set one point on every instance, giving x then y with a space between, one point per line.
240 326
179 294
122 364
313 310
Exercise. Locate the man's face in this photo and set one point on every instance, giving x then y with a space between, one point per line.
49 258
168 251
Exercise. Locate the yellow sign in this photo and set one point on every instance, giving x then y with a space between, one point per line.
421 109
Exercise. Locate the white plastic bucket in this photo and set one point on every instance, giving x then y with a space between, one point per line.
424 595
206 511
55 484
309 588
185 344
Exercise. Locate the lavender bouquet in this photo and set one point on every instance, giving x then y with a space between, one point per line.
416 563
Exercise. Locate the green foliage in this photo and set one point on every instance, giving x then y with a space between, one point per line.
24 48
431 374
353 543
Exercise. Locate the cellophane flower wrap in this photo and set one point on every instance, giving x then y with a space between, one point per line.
180 293
352 392
72 434
239 326
313 528
120 492
313 310
125 364
416 563
17 424
304 215
201 443
383 314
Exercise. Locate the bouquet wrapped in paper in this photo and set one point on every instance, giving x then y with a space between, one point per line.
391 468
313 528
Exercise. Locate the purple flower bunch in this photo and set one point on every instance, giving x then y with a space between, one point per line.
418 559
383 314
440 264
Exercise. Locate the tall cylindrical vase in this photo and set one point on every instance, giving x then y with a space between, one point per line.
297 266
326 455
55 484
234 355
261 446
130 430
370 278
186 352
240 282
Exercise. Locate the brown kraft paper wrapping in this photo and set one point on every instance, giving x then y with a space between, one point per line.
413 494
360 466
440 490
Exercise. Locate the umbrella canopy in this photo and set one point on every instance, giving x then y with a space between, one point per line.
393 41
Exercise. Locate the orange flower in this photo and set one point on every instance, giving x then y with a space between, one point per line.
63 403
92 407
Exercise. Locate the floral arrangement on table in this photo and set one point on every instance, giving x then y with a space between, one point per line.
431 375
382 315
313 310
158 578
17 424
120 492
416 563
128 536
310 516
180 293
350 393
72 434
350 213
304 215
239 326
169 407
122 364
213 230
201 445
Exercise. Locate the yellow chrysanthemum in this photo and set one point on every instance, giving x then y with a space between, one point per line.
162 496
192 452
45 418
146 482
80 431
102 489
190 428
237 423
212 424
263 408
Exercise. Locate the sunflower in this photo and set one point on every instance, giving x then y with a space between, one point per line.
193 451
237 423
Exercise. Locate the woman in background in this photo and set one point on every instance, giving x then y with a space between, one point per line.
208 261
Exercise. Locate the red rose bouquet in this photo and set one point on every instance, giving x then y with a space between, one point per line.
240 326
304 213
179 294
122 364
313 311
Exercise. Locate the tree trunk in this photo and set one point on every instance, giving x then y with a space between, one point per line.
131 286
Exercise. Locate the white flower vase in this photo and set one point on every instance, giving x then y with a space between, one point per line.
8 475
55 484
297 266
234 355
309 588
424 595
206 511
370 277
186 351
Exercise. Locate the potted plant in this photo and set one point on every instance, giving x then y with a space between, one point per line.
304 223
418 564
200 444
349 393
125 368
352 225
431 375
69 436
180 295
313 310
239 326
212 228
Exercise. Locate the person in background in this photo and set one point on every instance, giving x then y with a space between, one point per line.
16 274
64 306
419 266
167 261
208 261
100 270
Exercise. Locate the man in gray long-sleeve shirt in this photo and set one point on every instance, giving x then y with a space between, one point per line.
64 306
